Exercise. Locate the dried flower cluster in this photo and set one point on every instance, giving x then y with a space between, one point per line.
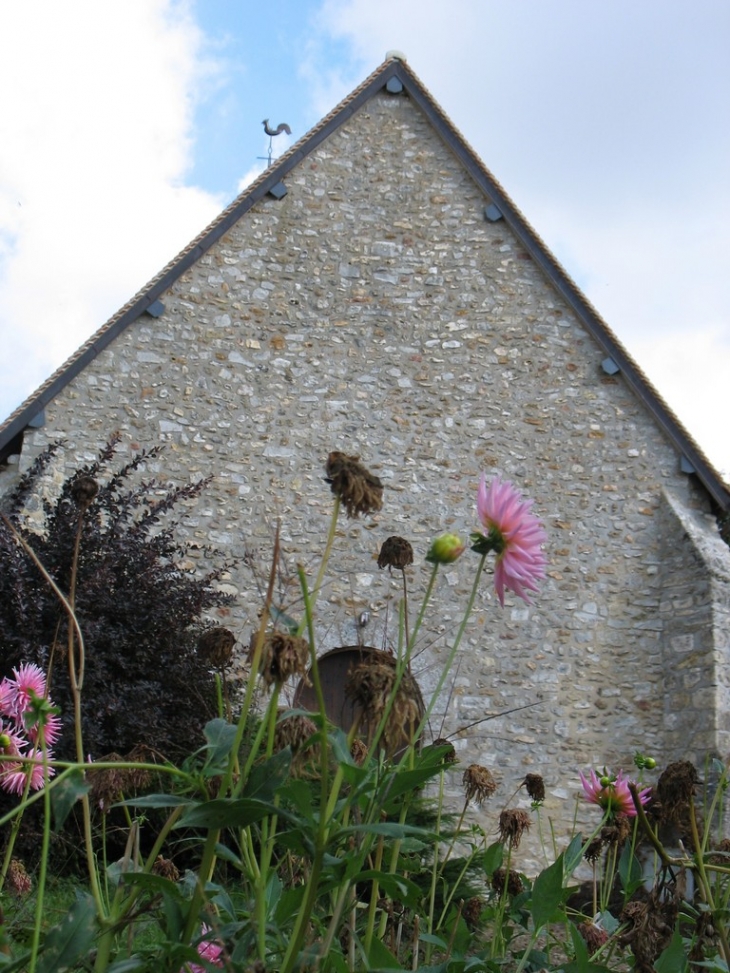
20 733
359 490
18 879
215 646
370 685
501 879
479 784
675 791
513 822
111 784
282 656
295 732
535 787
396 552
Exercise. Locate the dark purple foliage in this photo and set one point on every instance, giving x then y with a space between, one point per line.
139 613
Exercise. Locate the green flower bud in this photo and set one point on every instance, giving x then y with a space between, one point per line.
445 549
4 741
649 763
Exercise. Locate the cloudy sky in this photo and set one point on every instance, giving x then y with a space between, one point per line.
127 125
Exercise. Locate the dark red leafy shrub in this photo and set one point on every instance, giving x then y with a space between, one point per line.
139 613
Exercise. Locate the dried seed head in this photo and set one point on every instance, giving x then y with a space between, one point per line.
107 785
513 823
369 687
215 647
359 490
359 752
512 881
535 787
450 755
472 911
83 491
675 790
282 656
722 852
593 851
479 784
592 936
649 927
166 868
616 833
396 552
19 882
295 732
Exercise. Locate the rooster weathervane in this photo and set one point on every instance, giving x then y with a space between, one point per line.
273 132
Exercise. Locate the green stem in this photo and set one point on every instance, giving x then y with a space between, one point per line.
331 534
45 843
454 648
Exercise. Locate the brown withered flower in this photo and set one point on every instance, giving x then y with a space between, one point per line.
675 789
19 881
359 490
295 732
396 552
282 656
83 491
450 756
511 880
479 784
616 833
359 752
108 784
649 927
593 851
535 787
721 854
472 911
513 822
370 685
166 868
215 647
593 936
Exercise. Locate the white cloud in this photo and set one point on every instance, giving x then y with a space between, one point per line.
98 109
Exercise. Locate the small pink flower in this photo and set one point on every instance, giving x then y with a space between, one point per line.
208 950
612 793
515 535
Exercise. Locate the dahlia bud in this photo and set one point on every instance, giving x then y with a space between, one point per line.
445 549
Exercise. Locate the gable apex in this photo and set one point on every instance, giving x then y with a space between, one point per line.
396 78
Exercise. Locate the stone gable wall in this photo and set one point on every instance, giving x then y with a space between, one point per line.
376 311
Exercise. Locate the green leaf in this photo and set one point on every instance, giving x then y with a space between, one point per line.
128 965
573 855
493 857
65 794
629 869
391 829
220 736
156 800
674 958
380 957
396 886
267 777
226 813
71 939
579 946
547 895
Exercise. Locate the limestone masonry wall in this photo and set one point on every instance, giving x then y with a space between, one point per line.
374 310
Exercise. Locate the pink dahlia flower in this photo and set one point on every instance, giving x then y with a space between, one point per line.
612 793
29 680
208 950
515 535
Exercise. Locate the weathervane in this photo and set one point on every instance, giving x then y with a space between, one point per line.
272 133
